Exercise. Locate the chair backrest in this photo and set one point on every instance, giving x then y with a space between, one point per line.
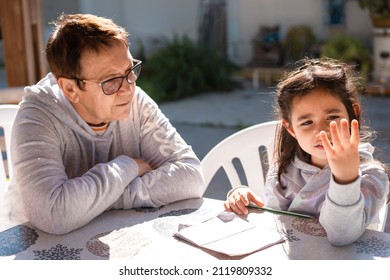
3 175
252 148
379 222
7 116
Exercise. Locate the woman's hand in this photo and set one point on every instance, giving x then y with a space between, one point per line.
343 151
143 167
239 199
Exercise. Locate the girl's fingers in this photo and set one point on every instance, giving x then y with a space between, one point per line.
345 135
335 135
256 200
241 203
325 141
238 208
236 204
355 135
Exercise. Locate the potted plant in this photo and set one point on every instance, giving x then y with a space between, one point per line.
379 11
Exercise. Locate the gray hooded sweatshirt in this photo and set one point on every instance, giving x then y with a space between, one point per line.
65 174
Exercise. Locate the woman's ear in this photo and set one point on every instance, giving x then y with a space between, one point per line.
288 127
69 88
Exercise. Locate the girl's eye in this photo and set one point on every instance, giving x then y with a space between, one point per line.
306 123
333 117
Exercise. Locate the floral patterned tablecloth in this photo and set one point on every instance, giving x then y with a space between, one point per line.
146 234
307 239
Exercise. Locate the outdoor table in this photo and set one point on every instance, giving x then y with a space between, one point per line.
146 234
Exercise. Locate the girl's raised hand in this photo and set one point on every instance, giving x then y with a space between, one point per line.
239 199
343 151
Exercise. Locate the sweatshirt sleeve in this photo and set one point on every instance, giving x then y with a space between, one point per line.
177 172
53 201
348 209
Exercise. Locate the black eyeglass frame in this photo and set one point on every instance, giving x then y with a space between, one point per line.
101 84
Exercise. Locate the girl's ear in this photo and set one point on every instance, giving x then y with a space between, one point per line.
356 109
69 88
288 127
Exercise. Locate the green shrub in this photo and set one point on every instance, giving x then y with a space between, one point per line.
298 43
182 69
348 49
379 8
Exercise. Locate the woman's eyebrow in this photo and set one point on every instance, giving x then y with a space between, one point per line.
112 75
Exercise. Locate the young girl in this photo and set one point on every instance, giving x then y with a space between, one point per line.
324 165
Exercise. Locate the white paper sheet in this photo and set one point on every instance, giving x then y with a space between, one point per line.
231 234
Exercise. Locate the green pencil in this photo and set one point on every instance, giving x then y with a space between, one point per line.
276 211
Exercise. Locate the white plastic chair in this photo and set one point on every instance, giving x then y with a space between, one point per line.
7 116
243 146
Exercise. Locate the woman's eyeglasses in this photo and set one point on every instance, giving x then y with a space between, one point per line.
113 85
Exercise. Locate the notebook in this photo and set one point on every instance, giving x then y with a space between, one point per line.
231 234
